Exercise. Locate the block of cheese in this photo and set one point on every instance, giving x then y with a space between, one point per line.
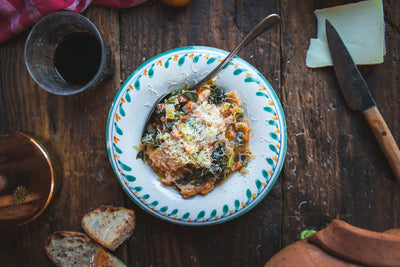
361 27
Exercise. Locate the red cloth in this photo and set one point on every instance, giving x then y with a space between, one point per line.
18 15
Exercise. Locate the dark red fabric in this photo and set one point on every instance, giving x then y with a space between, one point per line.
18 15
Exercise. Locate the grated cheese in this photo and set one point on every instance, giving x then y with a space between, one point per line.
198 133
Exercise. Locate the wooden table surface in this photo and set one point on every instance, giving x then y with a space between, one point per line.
334 168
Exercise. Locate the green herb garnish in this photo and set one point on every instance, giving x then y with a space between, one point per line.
307 233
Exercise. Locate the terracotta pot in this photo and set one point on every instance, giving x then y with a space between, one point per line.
342 245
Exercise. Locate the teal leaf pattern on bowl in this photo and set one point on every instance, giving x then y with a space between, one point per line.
166 64
153 204
251 80
118 131
262 94
128 97
137 83
116 148
129 178
124 167
163 209
237 205
211 60
196 58
151 71
182 61
213 214
200 216
173 213
186 216
238 71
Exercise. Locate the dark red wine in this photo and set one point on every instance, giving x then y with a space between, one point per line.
77 57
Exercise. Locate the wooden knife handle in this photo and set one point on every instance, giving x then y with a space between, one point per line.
385 139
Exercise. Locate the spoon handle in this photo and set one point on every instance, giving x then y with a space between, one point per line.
261 27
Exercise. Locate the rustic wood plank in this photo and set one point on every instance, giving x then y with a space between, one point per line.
73 128
153 28
334 167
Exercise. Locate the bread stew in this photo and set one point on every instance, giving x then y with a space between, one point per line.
195 139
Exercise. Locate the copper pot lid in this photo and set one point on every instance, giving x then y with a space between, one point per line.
26 179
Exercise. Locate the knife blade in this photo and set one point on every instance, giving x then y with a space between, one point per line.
358 97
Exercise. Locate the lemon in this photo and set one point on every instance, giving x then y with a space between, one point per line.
176 3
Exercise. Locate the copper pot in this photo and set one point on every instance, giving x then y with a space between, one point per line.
26 179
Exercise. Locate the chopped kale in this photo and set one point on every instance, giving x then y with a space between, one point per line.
220 161
217 169
217 96
192 96
239 117
150 139
196 173
203 179
141 155
239 139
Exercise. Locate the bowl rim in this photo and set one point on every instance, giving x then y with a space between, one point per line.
281 156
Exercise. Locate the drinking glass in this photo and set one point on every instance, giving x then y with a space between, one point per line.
63 41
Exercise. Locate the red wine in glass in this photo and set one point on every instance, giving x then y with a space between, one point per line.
77 57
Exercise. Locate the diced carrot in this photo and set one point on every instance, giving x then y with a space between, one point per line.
199 90
238 164
154 125
189 105
207 185
182 98
246 138
160 106
203 192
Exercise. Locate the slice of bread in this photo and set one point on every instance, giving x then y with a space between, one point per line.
66 248
109 226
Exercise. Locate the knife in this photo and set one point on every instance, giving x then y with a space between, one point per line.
358 97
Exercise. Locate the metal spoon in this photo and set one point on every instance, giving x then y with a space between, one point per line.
260 28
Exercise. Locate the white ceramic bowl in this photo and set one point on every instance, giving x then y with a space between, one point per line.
170 71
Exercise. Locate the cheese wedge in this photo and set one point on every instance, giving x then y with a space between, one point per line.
360 25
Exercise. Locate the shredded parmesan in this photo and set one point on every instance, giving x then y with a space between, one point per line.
198 133
206 137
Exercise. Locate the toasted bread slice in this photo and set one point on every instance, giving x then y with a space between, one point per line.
66 248
109 226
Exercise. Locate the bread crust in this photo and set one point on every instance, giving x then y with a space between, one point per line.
61 246
109 226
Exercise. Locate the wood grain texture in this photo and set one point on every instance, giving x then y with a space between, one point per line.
385 139
334 167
